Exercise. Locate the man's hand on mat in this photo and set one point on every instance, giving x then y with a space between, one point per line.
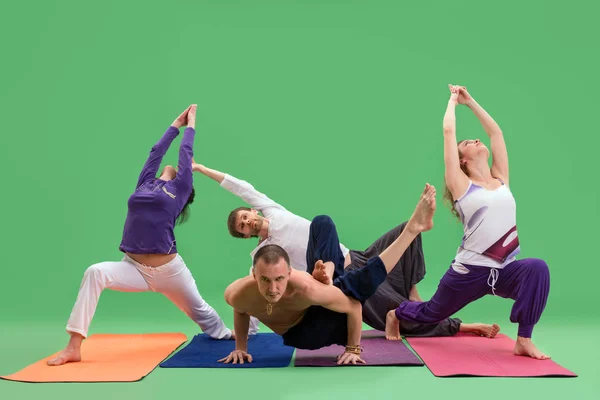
349 358
236 356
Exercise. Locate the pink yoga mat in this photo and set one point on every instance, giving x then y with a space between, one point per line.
469 355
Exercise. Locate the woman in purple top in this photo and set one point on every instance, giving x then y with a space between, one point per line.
151 261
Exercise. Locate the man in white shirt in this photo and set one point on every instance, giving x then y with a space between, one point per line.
281 227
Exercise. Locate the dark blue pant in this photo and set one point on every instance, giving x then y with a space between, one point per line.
526 281
321 327
324 244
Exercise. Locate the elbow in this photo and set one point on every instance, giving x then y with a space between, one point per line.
354 306
449 130
228 295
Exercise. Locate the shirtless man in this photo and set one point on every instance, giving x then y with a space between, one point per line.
307 313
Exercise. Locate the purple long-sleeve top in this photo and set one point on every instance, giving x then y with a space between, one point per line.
155 204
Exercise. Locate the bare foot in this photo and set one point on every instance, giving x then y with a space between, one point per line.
69 354
392 326
414 294
486 330
525 347
422 218
323 272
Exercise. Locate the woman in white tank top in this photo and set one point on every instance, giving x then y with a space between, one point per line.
485 262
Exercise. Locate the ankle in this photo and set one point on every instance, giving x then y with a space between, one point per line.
412 229
523 340
75 341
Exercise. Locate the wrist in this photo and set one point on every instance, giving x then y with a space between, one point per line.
357 349
241 343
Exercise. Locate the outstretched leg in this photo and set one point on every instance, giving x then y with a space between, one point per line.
363 282
409 270
121 276
176 282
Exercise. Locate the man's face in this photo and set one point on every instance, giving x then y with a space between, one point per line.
249 223
272 279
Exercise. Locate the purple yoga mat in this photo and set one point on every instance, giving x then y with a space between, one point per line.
377 351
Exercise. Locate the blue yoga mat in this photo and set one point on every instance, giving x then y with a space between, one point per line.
267 351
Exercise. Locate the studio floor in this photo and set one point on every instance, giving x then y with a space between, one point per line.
572 345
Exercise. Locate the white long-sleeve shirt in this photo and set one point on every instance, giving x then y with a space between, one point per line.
287 230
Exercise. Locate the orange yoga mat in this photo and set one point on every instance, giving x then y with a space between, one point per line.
107 358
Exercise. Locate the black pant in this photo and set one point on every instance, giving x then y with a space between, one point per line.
321 327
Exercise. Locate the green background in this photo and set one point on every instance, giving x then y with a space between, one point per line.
329 108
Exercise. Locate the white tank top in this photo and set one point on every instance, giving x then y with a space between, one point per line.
489 220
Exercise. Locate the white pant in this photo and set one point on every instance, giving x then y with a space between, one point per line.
172 279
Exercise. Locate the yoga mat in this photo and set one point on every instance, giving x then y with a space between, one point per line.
267 351
377 351
107 358
470 355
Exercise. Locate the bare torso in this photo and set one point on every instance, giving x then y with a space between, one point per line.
286 313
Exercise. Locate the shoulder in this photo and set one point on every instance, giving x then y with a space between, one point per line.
308 288
302 282
460 194
238 290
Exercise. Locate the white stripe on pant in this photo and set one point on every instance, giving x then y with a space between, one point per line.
173 279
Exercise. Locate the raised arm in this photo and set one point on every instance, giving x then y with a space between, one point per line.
186 153
211 173
499 152
240 188
456 180
334 299
159 150
156 155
